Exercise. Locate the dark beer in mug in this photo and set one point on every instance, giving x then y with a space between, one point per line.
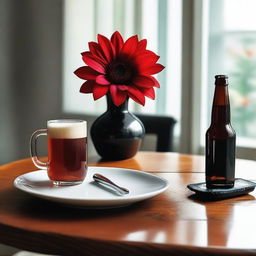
67 159
220 140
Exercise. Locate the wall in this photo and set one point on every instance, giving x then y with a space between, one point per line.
30 66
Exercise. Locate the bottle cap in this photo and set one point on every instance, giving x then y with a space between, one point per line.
221 80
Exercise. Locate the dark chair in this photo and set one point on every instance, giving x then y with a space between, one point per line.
162 127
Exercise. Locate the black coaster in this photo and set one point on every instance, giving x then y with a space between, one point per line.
241 187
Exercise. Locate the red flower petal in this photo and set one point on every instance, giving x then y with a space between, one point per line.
122 87
86 73
136 95
102 80
106 47
156 68
142 45
117 96
87 87
99 91
130 46
144 81
149 92
156 82
117 41
144 61
94 62
149 52
96 50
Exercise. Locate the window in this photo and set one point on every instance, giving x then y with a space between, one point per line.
159 21
230 49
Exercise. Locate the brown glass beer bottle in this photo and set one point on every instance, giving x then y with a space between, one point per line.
220 140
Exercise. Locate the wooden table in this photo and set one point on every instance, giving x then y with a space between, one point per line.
173 223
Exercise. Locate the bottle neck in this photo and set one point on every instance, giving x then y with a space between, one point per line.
113 108
221 105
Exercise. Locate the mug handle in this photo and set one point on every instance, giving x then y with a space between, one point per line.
33 149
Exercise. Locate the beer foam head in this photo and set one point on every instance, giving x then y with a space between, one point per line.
67 129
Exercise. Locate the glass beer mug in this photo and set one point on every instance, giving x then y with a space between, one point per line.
67 151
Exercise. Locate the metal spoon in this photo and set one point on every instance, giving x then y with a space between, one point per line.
105 181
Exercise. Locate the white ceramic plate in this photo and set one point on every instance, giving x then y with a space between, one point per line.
141 185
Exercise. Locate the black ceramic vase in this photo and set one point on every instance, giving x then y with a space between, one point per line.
117 133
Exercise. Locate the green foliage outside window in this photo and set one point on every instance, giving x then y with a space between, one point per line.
243 88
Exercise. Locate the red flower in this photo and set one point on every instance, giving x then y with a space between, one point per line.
123 69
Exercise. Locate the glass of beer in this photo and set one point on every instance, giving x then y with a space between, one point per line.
67 151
